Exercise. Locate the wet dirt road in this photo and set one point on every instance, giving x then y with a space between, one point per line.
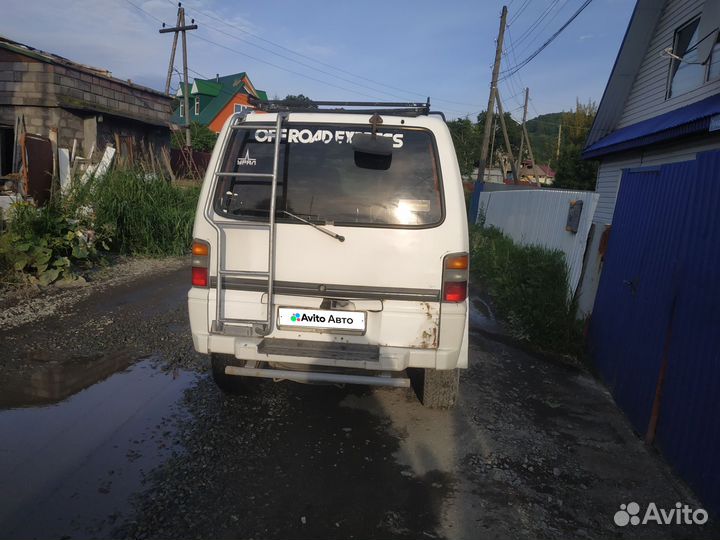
111 427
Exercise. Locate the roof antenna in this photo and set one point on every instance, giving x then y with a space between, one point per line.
668 53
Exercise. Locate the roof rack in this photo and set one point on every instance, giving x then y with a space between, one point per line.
397 108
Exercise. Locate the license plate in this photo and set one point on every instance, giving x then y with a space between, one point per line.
322 319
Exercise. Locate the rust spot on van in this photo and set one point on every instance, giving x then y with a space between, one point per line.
429 338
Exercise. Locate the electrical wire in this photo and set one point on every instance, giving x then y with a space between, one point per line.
519 12
552 38
535 25
287 49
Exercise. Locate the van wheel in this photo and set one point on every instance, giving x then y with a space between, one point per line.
229 384
440 388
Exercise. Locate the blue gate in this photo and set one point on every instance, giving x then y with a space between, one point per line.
655 327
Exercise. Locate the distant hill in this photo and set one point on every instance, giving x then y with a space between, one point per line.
543 131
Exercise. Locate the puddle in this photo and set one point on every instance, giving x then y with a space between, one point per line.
69 469
481 316
49 379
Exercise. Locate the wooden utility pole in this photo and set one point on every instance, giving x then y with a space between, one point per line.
181 27
557 151
527 138
522 131
489 113
491 156
508 148
171 65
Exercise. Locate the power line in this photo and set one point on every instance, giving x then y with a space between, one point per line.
361 77
158 19
535 25
516 68
540 30
286 57
139 8
277 66
519 12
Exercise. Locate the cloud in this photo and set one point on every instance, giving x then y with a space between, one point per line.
586 37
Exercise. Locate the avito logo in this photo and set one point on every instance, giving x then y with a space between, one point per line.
315 318
682 514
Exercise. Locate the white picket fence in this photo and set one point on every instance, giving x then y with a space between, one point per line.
538 217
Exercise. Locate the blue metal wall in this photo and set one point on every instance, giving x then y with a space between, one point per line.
664 251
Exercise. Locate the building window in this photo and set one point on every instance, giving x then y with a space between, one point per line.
714 63
688 73
197 106
240 108
182 109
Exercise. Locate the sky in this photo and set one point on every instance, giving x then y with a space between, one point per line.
345 50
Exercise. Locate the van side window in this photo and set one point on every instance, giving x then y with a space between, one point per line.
321 179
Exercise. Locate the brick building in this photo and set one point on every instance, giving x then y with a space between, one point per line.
40 91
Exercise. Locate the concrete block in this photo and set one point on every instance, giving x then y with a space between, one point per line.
68 81
36 66
74 93
19 66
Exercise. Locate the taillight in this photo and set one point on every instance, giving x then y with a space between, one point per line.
455 277
200 263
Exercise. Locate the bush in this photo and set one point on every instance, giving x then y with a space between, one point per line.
529 287
123 211
44 244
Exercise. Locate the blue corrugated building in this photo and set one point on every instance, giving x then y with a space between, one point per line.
652 279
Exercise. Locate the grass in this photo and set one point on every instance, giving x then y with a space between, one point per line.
148 217
528 286
124 212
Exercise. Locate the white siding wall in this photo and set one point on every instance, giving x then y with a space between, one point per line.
647 96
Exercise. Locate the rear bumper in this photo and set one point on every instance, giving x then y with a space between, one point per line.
451 353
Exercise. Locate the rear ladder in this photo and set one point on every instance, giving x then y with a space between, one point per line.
222 324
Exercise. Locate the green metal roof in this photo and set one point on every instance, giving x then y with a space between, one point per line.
226 88
207 88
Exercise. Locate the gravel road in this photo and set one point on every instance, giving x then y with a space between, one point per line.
110 426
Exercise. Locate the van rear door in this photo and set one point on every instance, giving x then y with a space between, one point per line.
386 274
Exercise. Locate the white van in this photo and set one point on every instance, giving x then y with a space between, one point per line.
336 252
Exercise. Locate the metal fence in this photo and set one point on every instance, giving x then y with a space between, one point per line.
539 217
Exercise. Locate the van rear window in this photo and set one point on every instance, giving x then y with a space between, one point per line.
323 178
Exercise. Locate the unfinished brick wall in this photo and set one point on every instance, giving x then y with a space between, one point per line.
59 96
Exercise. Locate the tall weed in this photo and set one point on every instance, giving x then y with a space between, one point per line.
529 287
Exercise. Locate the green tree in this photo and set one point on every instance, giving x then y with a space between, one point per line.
299 101
466 138
513 128
573 172
202 138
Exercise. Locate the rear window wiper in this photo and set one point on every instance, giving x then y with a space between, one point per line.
314 226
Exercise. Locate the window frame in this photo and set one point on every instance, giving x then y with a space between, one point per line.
182 109
672 70
216 201
197 106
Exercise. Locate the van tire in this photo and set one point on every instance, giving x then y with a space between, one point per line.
229 384
440 388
